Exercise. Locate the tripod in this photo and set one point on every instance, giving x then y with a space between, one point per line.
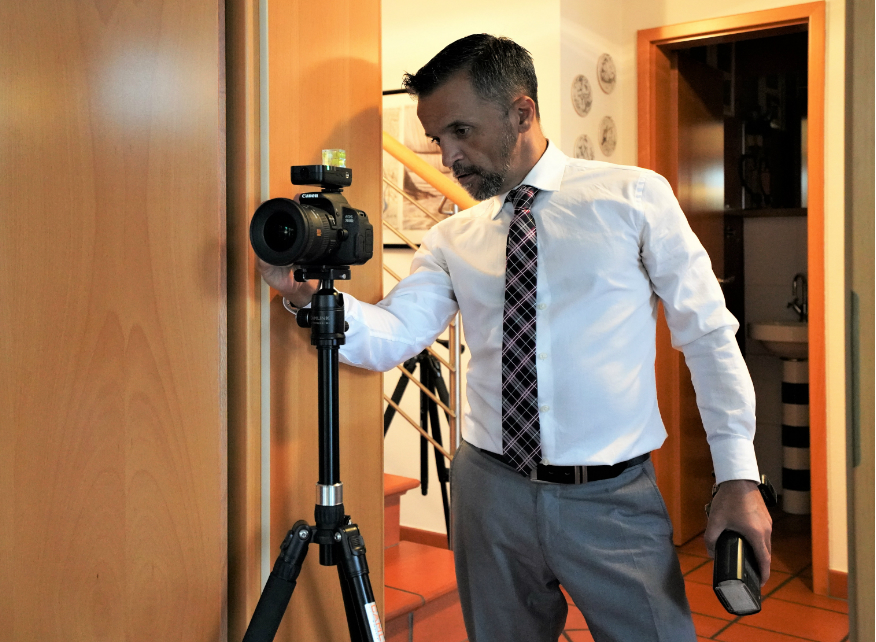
340 543
431 379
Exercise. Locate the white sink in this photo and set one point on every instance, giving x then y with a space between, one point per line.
785 339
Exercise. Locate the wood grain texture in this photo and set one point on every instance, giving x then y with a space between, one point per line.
817 341
653 48
860 205
244 331
112 321
325 92
697 108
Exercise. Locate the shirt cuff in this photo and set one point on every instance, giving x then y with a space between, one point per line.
734 458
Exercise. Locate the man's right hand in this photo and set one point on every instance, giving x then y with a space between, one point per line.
281 278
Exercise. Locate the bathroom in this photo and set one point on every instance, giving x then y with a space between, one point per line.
765 237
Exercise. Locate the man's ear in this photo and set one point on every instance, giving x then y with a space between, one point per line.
523 109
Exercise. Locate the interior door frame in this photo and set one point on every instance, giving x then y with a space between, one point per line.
657 150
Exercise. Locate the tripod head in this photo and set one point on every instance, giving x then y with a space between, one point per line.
325 316
322 272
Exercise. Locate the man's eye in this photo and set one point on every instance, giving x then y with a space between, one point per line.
435 141
462 131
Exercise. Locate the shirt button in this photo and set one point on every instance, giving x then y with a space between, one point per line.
544 408
542 356
541 306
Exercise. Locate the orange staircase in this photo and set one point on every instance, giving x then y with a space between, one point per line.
422 603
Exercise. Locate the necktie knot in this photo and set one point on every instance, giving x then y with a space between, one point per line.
521 197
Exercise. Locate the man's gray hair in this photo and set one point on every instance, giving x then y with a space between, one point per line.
499 68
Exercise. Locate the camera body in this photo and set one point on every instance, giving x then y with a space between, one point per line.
322 229
351 226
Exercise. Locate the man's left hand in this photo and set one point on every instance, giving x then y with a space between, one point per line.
739 506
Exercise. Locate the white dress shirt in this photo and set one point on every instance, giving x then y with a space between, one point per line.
612 240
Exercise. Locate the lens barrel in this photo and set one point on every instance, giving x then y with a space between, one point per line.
283 232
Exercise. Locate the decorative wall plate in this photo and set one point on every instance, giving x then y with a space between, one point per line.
583 148
606 73
582 96
607 136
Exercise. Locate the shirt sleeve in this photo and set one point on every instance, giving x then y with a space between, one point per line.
701 327
411 317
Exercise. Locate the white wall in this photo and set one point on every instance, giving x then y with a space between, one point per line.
413 32
589 29
566 37
769 270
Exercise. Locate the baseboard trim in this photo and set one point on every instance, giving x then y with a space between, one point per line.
420 536
838 584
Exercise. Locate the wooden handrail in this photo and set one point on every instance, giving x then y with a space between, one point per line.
424 170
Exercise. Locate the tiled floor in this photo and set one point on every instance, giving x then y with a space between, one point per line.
790 613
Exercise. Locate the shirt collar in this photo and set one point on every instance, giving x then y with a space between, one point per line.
546 175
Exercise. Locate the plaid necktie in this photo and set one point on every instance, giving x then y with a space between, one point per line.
521 438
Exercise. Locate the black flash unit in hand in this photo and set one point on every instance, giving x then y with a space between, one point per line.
736 579
736 576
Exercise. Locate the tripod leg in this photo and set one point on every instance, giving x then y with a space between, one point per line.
437 386
440 465
278 590
362 616
424 424
440 386
398 393
356 632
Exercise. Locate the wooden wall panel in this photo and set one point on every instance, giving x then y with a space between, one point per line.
325 92
244 322
860 266
112 321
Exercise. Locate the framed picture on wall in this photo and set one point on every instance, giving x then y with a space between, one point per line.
406 195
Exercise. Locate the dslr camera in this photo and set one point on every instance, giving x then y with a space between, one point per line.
321 230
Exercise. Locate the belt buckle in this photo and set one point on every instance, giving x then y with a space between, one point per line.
579 476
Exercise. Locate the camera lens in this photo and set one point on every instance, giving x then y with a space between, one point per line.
279 231
283 232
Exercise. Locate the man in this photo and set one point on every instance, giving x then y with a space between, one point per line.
558 287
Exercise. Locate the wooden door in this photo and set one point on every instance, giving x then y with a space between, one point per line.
684 464
324 92
112 321
658 147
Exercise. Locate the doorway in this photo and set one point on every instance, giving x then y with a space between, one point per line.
663 147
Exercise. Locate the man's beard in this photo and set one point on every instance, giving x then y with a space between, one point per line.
491 182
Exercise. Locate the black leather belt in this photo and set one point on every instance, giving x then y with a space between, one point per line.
574 474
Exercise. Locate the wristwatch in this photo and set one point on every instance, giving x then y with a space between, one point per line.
293 309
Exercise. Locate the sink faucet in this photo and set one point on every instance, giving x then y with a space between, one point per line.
801 297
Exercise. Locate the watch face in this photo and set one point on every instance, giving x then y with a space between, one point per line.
582 96
607 136
606 73
583 148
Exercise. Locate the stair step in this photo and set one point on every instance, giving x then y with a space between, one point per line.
398 485
398 603
422 602
419 569
394 486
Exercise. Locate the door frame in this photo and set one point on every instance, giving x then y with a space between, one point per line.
657 150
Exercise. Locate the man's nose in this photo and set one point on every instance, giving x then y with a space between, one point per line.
450 154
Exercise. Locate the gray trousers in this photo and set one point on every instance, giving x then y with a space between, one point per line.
608 543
